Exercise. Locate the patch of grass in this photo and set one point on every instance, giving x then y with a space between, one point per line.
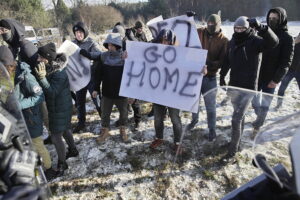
135 162
231 182
208 175
105 193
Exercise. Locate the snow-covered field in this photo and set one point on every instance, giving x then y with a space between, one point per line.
131 170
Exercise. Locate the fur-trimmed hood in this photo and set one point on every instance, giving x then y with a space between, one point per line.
58 64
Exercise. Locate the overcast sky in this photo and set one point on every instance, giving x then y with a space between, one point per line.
48 3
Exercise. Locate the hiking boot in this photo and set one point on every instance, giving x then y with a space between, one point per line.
123 133
72 152
211 135
50 174
103 135
136 126
117 123
178 149
78 128
61 167
156 143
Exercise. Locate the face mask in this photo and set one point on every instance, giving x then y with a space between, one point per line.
273 23
211 29
6 36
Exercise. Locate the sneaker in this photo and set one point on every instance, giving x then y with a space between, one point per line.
212 135
156 143
50 174
61 167
72 153
78 128
191 125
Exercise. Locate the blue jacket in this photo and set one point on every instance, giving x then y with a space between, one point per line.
30 96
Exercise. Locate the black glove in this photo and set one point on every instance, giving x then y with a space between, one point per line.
18 168
190 13
222 81
85 53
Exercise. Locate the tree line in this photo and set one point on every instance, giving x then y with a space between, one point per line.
104 15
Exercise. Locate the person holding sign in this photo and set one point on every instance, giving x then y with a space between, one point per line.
84 42
166 37
243 57
215 42
110 73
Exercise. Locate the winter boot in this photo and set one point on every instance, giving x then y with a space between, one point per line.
123 133
191 125
104 134
72 152
156 143
78 128
61 167
50 174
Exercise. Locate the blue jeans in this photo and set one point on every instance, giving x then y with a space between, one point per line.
261 104
287 79
208 83
81 99
159 113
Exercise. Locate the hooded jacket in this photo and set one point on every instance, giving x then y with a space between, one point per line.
58 98
30 96
276 61
19 46
110 71
244 58
216 44
296 59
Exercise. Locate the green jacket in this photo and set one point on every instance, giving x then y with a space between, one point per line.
30 96
58 97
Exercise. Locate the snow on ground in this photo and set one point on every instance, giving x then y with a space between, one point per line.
131 170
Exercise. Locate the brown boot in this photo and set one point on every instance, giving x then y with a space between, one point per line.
123 133
104 134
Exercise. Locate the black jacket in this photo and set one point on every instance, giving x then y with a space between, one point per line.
244 59
276 61
20 47
109 73
296 59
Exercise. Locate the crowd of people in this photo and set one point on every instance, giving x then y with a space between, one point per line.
258 57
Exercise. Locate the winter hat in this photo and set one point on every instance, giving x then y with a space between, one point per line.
138 24
5 24
216 19
81 26
113 38
48 51
242 22
6 56
119 29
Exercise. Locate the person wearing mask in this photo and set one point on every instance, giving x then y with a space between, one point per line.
30 96
243 57
51 72
213 40
110 74
275 63
84 42
294 72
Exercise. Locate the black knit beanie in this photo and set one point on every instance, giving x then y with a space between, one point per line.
5 24
48 51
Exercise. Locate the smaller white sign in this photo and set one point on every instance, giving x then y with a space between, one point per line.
78 68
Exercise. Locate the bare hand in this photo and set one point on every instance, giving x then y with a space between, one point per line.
124 55
131 101
204 70
94 94
272 84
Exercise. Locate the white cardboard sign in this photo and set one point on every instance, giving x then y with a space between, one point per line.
163 74
183 26
78 67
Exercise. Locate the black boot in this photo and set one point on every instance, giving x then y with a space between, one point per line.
72 152
51 174
78 128
61 167
48 140
211 135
